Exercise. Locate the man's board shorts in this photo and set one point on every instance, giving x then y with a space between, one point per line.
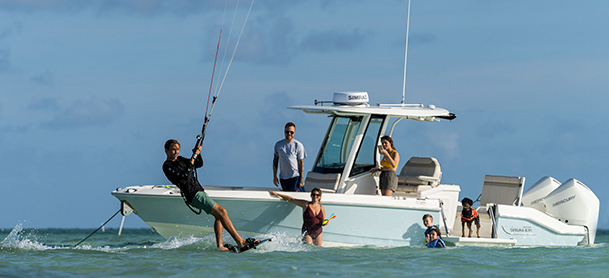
203 201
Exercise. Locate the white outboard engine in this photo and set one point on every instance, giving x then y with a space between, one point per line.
534 196
575 204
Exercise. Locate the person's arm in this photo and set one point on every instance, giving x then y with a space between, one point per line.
298 202
196 157
275 163
301 173
323 211
394 160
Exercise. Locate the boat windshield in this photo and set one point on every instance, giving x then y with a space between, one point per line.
338 143
364 161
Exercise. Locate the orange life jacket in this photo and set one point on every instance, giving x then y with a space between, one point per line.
472 217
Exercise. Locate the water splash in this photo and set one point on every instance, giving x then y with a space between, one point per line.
178 242
281 242
15 240
19 239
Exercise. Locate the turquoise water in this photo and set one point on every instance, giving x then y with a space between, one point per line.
143 253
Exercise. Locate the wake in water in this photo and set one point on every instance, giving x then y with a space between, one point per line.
19 239
280 242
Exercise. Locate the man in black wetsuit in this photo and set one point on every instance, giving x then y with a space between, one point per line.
180 171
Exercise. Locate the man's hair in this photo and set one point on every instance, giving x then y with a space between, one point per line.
427 215
171 142
289 124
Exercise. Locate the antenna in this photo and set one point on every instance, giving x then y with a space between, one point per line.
406 53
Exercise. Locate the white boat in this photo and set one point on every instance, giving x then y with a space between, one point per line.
563 215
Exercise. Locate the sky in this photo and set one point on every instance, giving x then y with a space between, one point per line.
91 90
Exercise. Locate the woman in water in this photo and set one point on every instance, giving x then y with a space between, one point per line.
313 215
389 164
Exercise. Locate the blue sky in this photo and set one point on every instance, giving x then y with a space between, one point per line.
90 91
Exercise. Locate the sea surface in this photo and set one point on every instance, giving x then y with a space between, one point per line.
143 253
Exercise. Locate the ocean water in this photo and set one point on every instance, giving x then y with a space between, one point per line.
143 253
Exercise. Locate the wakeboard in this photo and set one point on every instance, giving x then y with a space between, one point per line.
251 244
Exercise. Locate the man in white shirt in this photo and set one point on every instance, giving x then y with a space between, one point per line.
289 155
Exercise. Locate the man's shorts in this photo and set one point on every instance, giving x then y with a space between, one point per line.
291 184
203 201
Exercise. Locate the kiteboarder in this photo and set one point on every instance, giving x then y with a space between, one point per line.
181 172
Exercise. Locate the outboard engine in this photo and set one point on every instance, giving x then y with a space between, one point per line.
575 204
534 196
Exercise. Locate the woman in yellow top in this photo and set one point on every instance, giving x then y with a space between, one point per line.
389 164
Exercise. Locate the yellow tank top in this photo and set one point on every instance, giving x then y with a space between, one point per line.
385 162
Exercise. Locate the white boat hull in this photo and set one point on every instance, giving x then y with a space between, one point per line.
530 227
360 219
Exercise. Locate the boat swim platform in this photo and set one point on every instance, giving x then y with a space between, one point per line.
486 237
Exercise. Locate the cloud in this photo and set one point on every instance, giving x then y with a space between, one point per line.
274 41
5 63
333 40
90 113
14 27
139 7
45 78
275 113
46 103
266 41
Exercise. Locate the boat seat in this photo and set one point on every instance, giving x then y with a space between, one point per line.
502 190
325 182
418 174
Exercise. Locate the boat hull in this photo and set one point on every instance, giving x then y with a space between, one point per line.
530 227
360 219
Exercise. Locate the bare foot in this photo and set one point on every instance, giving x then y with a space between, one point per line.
245 243
222 248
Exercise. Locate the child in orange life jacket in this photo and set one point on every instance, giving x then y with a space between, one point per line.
469 215
428 222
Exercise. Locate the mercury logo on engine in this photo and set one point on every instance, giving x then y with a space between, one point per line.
563 201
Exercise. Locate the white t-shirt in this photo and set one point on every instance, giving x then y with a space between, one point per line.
289 154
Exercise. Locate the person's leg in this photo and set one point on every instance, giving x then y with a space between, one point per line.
222 216
318 240
290 184
478 226
218 230
387 192
307 239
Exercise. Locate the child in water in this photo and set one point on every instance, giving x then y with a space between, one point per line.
469 215
435 239
428 222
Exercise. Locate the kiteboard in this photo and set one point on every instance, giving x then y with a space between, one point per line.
251 244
